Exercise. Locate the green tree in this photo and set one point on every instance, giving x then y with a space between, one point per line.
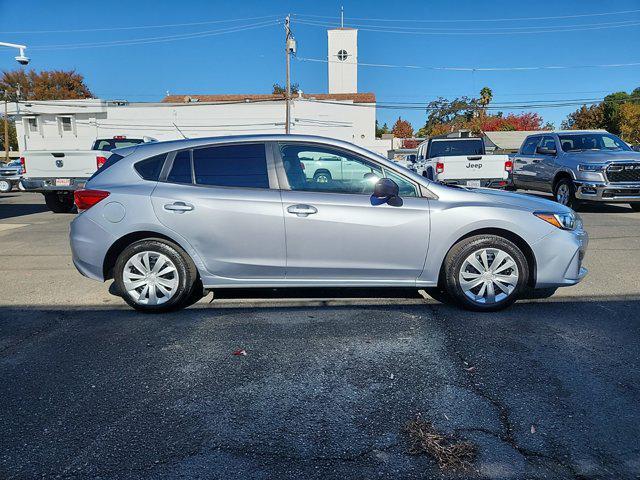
280 90
381 130
585 118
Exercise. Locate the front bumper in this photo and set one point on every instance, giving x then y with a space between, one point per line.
50 184
608 192
559 258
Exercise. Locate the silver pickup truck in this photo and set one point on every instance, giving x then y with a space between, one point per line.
578 166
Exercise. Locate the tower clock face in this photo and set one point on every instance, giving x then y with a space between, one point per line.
342 55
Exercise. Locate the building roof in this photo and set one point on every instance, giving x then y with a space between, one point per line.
354 97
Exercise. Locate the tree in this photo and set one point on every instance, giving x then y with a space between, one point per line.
381 130
45 85
444 116
512 122
280 90
13 137
585 118
402 129
630 122
486 95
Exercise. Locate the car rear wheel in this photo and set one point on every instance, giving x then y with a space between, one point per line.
635 206
565 193
155 276
5 186
59 203
485 273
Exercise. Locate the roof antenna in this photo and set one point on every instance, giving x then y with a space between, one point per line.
341 16
183 135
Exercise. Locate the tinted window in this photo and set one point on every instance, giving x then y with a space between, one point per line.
181 169
231 166
112 160
591 141
150 168
448 148
548 142
529 146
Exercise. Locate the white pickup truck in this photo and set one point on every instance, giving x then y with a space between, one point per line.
463 161
56 174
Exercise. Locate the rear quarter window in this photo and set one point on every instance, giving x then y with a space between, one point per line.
150 168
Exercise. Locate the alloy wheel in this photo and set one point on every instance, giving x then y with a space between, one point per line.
150 278
563 194
488 276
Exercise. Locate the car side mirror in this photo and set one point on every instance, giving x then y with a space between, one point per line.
546 151
387 191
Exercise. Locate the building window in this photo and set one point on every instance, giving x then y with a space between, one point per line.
31 126
66 125
342 55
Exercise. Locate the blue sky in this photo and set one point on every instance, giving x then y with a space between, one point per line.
250 61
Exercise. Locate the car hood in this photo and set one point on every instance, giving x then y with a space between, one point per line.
600 156
501 198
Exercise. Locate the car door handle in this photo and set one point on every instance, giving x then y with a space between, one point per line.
302 210
518 160
179 207
536 160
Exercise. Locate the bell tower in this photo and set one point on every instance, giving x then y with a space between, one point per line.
342 59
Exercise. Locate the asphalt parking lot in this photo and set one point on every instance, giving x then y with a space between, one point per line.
91 389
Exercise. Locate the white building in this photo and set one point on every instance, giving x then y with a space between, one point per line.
342 113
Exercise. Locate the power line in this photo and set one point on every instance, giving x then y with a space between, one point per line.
474 20
149 40
393 29
477 69
141 27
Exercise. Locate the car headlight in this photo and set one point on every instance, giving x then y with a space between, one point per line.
592 167
564 221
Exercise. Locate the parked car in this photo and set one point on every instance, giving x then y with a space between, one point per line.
10 175
56 174
169 220
579 166
462 161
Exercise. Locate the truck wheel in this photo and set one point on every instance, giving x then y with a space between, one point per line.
565 194
485 273
635 206
59 203
322 177
5 186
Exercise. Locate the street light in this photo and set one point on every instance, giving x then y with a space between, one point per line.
22 59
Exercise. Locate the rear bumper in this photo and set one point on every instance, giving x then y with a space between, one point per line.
484 182
49 184
608 192
89 244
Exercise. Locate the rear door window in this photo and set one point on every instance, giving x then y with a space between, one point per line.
529 146
181 169
243 166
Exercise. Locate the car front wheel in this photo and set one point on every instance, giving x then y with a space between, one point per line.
565 194
155 276
485 273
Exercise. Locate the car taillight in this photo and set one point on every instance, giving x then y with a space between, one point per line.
85 199
508 166
439 167
100 161
23 166
119 137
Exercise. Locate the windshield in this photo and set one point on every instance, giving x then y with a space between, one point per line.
109 144
448 148
578 142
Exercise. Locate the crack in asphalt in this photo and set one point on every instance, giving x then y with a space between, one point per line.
506 433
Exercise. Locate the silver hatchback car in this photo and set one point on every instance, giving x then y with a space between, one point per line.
171 220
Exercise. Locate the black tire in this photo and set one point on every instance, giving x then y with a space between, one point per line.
457 256
185 271
635 206
5 185
570 199
59 203
322 176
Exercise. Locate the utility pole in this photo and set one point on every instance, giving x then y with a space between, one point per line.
6 129
290 47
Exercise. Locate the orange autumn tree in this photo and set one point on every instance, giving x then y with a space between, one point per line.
402 129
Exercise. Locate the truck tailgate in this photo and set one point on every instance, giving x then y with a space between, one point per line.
68 164
473 167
